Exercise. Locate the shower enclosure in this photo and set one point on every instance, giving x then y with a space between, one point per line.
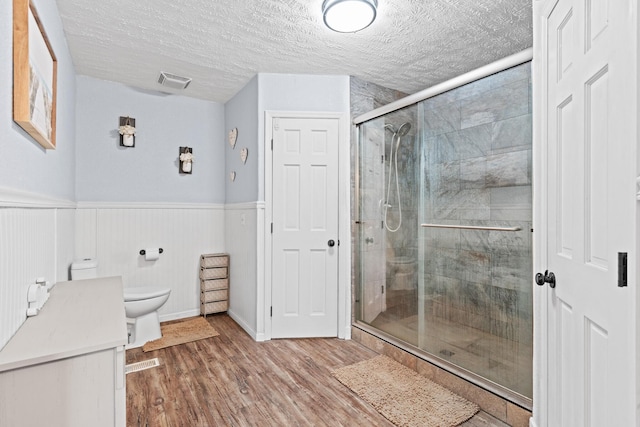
443 230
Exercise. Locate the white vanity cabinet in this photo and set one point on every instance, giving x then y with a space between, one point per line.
65 366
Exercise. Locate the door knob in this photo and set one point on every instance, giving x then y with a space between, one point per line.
331 243
547 277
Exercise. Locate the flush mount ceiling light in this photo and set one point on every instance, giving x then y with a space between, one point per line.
349 16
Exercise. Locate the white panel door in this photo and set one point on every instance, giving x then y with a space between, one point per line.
589 195
305 228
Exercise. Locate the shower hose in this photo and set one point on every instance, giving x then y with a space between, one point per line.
393 158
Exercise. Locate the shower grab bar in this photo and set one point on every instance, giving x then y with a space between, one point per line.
471 227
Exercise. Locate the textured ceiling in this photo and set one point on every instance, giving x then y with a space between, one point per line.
221 44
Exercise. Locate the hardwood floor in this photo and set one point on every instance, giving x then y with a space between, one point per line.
231 380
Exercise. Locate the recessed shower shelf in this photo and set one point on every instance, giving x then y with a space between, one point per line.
471 227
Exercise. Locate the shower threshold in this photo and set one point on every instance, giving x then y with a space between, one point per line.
470 377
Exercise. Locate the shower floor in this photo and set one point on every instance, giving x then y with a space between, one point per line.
500 360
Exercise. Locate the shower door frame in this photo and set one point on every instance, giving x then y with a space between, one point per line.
358 277
495 67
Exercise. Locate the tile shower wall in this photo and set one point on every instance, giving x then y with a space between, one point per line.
478 155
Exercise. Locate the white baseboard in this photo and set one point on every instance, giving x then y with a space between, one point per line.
532 423
180 315
243 325
347 333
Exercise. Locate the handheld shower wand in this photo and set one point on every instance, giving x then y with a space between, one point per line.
393 158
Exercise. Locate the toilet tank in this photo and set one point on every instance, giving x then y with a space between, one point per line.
86 268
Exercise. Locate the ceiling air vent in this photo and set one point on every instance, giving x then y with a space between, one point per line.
173 81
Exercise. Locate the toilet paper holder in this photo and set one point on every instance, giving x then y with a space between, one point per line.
143 252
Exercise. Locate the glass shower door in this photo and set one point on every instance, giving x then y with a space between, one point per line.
370 235
388 170
476 229
443 259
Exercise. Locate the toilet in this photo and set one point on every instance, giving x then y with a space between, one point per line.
403 271
141 304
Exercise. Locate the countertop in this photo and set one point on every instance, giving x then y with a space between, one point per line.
81 316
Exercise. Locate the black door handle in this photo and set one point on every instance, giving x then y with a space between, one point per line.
331 243
547 277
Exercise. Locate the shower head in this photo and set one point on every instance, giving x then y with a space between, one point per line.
401 131
404 129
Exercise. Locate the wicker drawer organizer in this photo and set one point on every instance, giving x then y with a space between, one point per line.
214 283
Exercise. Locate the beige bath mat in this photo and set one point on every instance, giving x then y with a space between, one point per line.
403 396
192 329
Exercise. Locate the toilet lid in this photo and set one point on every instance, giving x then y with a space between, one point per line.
144 292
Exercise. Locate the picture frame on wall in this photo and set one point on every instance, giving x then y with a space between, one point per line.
35 69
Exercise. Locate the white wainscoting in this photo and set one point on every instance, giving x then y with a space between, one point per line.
40 237
36 240
65 242
243 220
115 234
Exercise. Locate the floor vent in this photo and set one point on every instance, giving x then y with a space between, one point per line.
141 366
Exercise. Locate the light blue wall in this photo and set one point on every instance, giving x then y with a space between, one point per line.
24 164
302 92
149 171
35 242
296 92
246 111
241 112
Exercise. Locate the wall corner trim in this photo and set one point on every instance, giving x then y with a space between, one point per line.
13 198
245 205
147 205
